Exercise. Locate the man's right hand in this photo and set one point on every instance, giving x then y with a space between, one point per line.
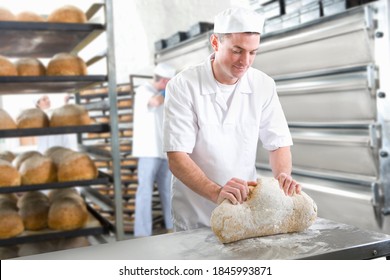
235 190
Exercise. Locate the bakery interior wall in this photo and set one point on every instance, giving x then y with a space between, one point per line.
137 25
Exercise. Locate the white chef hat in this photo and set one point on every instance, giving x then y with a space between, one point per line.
165 70
238 20
35 99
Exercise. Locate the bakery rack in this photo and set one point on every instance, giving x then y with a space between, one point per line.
43 40
95 100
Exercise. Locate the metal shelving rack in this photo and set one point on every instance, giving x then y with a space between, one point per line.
53 38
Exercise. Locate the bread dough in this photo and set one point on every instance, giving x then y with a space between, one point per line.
267 211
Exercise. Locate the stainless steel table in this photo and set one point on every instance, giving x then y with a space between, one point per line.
323 240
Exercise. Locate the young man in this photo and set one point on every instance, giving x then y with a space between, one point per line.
147 146
215 113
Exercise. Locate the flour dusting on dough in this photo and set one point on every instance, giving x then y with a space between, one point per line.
268 211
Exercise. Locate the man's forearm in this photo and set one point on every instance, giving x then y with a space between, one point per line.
280 161
186 170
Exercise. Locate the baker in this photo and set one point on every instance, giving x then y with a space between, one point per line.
215 113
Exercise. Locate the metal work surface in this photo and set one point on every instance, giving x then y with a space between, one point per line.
323 240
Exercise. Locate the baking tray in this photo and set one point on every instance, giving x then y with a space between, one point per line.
96 225
8 133
44 39
101 179
47 84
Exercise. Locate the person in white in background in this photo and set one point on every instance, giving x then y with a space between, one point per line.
147 146
45 142
215 113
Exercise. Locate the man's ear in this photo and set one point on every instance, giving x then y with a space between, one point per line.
214 42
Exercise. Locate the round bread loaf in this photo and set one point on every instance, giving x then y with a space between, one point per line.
32 118
56 153
10 221
6 15
34 209
76 166
70 114
38 169
9 197
7 68
30 67
7 156
6 121
66 64
29 16
67 213
9 175
18 160
59 193
67 14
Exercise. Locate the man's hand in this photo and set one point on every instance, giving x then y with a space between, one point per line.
288 184
235 190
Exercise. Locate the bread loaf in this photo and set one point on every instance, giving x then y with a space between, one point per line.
69 115
10 221
29 16
268 211
67 212
55 194
67 14
66 64
6 121
7 156
32 118
34 209
76 166
30 67
18 160
6 15
38 169
9 175
57 153
7 68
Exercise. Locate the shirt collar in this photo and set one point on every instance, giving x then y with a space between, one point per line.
209 85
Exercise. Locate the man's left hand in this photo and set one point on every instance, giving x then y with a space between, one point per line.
288 184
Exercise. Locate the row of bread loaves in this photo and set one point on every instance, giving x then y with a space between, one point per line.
65 14
62 209
57 164
66 115
61 64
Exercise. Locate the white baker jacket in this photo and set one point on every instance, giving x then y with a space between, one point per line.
221 141
147 125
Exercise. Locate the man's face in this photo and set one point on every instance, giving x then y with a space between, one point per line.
234 55
44 102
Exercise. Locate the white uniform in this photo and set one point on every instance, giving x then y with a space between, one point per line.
221 140
147 137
